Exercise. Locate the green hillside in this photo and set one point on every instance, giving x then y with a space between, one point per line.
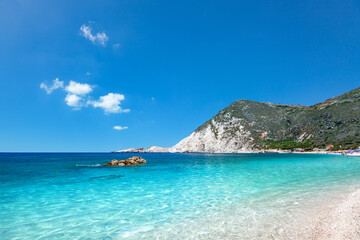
335 121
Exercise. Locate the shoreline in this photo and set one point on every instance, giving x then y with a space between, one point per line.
335 217
345 153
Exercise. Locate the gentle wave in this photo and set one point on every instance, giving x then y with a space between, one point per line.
91 165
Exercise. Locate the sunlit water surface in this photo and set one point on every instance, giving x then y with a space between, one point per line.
173 196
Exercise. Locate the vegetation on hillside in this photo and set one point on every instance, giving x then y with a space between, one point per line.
335 121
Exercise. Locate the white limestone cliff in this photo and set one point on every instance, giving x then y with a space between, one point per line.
228 136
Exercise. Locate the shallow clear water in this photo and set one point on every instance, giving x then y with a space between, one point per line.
70 196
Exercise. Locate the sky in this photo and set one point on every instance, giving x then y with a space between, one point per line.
97 76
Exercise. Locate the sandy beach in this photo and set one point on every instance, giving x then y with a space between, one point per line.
343 222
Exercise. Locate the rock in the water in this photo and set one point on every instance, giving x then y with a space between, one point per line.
113 162
133 161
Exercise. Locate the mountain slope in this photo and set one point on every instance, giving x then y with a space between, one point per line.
246 126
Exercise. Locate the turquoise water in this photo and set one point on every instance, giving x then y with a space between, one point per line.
209 196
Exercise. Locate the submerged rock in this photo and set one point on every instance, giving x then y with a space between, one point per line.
133 161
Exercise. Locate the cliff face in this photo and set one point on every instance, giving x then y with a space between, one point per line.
247 126
226 136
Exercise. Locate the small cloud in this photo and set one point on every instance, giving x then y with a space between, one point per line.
73 100
78 88
56 84
88 73
110 103
98 38
120 127
152 99
116 45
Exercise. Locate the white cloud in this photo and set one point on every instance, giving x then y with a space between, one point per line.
110 103
120 127
153 98
73 100
99 38
77 97
76 94
56 84
78 88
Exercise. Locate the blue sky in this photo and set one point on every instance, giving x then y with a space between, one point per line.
162 68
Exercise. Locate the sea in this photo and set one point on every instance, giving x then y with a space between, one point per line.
173 196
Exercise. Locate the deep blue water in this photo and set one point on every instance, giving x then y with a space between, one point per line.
71 196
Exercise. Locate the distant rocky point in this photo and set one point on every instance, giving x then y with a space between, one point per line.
130 150
153 149
156 149
133 161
